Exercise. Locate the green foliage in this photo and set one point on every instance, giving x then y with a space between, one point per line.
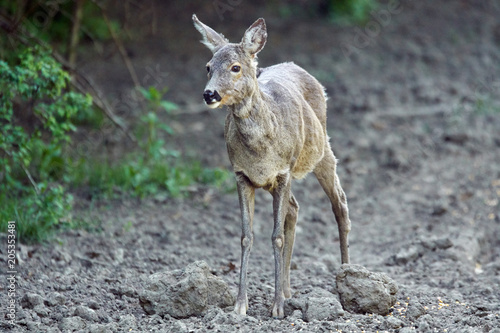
37 216
350 12
152 169
134 176
34 90
154 145
35 116
344 12
90 117
52 22
58 25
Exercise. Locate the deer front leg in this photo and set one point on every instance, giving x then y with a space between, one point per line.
246 194
281 196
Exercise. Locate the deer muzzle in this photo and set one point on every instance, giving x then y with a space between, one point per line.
212 98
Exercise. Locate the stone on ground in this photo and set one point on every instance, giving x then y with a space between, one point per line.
322 308
186 292
362 291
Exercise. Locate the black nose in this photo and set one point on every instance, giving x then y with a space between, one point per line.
211 96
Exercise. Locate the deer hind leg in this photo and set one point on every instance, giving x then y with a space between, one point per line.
290 222
326 173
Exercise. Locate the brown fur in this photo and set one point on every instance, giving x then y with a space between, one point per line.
275 131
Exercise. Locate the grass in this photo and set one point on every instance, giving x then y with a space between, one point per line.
142 178
38 217
29 227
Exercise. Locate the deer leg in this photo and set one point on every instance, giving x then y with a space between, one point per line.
326 173
281 196
246 194
290 222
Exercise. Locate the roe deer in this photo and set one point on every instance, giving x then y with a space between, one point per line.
275 131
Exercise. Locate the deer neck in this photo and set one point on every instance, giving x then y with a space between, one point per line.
252 110
252 123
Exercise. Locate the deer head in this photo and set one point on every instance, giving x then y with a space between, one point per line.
232 71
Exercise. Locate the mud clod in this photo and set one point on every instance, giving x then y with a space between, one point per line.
322 308
415 310
362 291
86 313
184 293
30 300
72 324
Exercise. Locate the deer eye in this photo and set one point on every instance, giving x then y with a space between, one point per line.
208 68
235 69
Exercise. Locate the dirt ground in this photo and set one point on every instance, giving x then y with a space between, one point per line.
414 119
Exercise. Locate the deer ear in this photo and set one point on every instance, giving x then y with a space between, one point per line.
255 37
212 39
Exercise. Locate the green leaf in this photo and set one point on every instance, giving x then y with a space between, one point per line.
145 93
168 106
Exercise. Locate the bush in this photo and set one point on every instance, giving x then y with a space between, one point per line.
36 109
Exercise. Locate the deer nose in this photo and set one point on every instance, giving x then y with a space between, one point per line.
211 96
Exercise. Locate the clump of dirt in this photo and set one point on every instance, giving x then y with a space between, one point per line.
414 121
362 291
185 293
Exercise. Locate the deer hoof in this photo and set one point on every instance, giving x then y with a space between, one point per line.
241 306
278 311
